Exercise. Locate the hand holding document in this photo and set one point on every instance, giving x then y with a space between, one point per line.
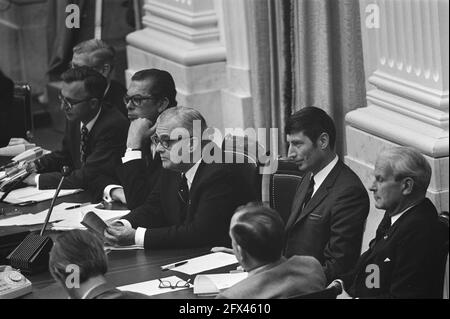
203 263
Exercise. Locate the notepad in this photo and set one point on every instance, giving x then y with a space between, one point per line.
206 262
213 284
151 288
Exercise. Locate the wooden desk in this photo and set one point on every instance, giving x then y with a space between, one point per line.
125 267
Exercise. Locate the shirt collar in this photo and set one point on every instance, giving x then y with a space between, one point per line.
190 174
397 216
91 123
323 173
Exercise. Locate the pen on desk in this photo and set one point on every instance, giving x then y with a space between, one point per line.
181 263
76 206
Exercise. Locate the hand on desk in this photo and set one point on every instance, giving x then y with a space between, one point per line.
117 194
30 180
118 234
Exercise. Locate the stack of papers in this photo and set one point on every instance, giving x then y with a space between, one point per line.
206 262
31 193
213 284
151 288
65 219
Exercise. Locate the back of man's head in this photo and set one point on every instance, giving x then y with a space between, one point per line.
94 83
258 230
99 52
78 250
162 84
312 122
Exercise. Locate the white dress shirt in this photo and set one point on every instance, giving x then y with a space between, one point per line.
323 173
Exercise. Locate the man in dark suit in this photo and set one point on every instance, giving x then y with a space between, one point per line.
78 263
257 237
100 56
331 205
192 204
407 257
6 100
94 137
150 93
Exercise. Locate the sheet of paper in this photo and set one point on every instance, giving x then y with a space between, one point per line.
206 262
63 219
151 288
130 247
32 193
214 283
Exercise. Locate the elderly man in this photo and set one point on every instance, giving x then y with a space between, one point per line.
257 237
94 137
406 258
192 204
151 92
80 255
100 56
331 204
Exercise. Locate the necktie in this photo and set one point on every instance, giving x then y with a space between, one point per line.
183 191
383 227
83 144
309 192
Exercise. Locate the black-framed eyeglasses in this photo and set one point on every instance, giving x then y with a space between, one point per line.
164 140
137 99
71 103
178 284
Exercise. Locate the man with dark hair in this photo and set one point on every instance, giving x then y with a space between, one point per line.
257 237
80 254
100 56
150 93
331 205
94 136
407 257
193 200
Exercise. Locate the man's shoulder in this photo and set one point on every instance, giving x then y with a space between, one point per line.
347 178
112 117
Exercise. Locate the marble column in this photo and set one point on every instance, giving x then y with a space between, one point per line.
183 37
407 70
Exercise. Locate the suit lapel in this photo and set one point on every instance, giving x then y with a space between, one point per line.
298 199
321 193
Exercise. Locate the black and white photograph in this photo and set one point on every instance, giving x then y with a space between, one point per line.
218 155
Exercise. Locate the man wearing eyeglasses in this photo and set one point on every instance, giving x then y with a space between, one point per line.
194 199
151 92
94 137
100 56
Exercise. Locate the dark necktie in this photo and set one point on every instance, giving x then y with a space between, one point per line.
183 192
383 228
83 144
309 192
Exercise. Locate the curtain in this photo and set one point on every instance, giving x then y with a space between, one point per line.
305 53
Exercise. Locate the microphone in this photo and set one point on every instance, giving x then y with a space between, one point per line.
32 254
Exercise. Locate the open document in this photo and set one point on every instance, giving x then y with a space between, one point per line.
153 287
203 263
31 193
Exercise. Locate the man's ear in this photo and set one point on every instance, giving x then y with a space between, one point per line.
106 70
323 141
408 186
163 105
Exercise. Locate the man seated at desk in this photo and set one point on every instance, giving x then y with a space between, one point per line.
94 137
194 199
80 255
257 237
406 258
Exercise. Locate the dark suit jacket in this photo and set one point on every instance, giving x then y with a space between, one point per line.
213 197
106 143
114 97
331 226
107 291
293 277
137 177
6 101
410 258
